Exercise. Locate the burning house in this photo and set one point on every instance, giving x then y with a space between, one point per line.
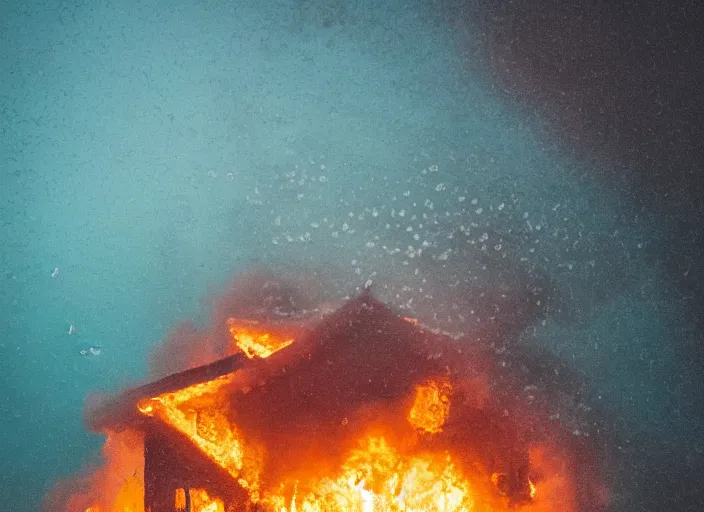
359 409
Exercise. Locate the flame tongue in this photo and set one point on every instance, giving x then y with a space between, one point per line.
257 340
377 478
431 407
199 412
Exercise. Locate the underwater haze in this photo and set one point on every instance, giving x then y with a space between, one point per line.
152 150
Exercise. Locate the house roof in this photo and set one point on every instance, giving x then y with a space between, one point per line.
121 411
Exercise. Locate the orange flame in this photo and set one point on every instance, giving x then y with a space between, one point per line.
180 499
199 412
257 341
117 486
200 501
376 478
431 407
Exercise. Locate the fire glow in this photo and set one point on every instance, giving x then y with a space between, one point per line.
363 412
196 412
257 340
431 407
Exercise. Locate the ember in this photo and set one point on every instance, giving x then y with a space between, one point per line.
361 410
